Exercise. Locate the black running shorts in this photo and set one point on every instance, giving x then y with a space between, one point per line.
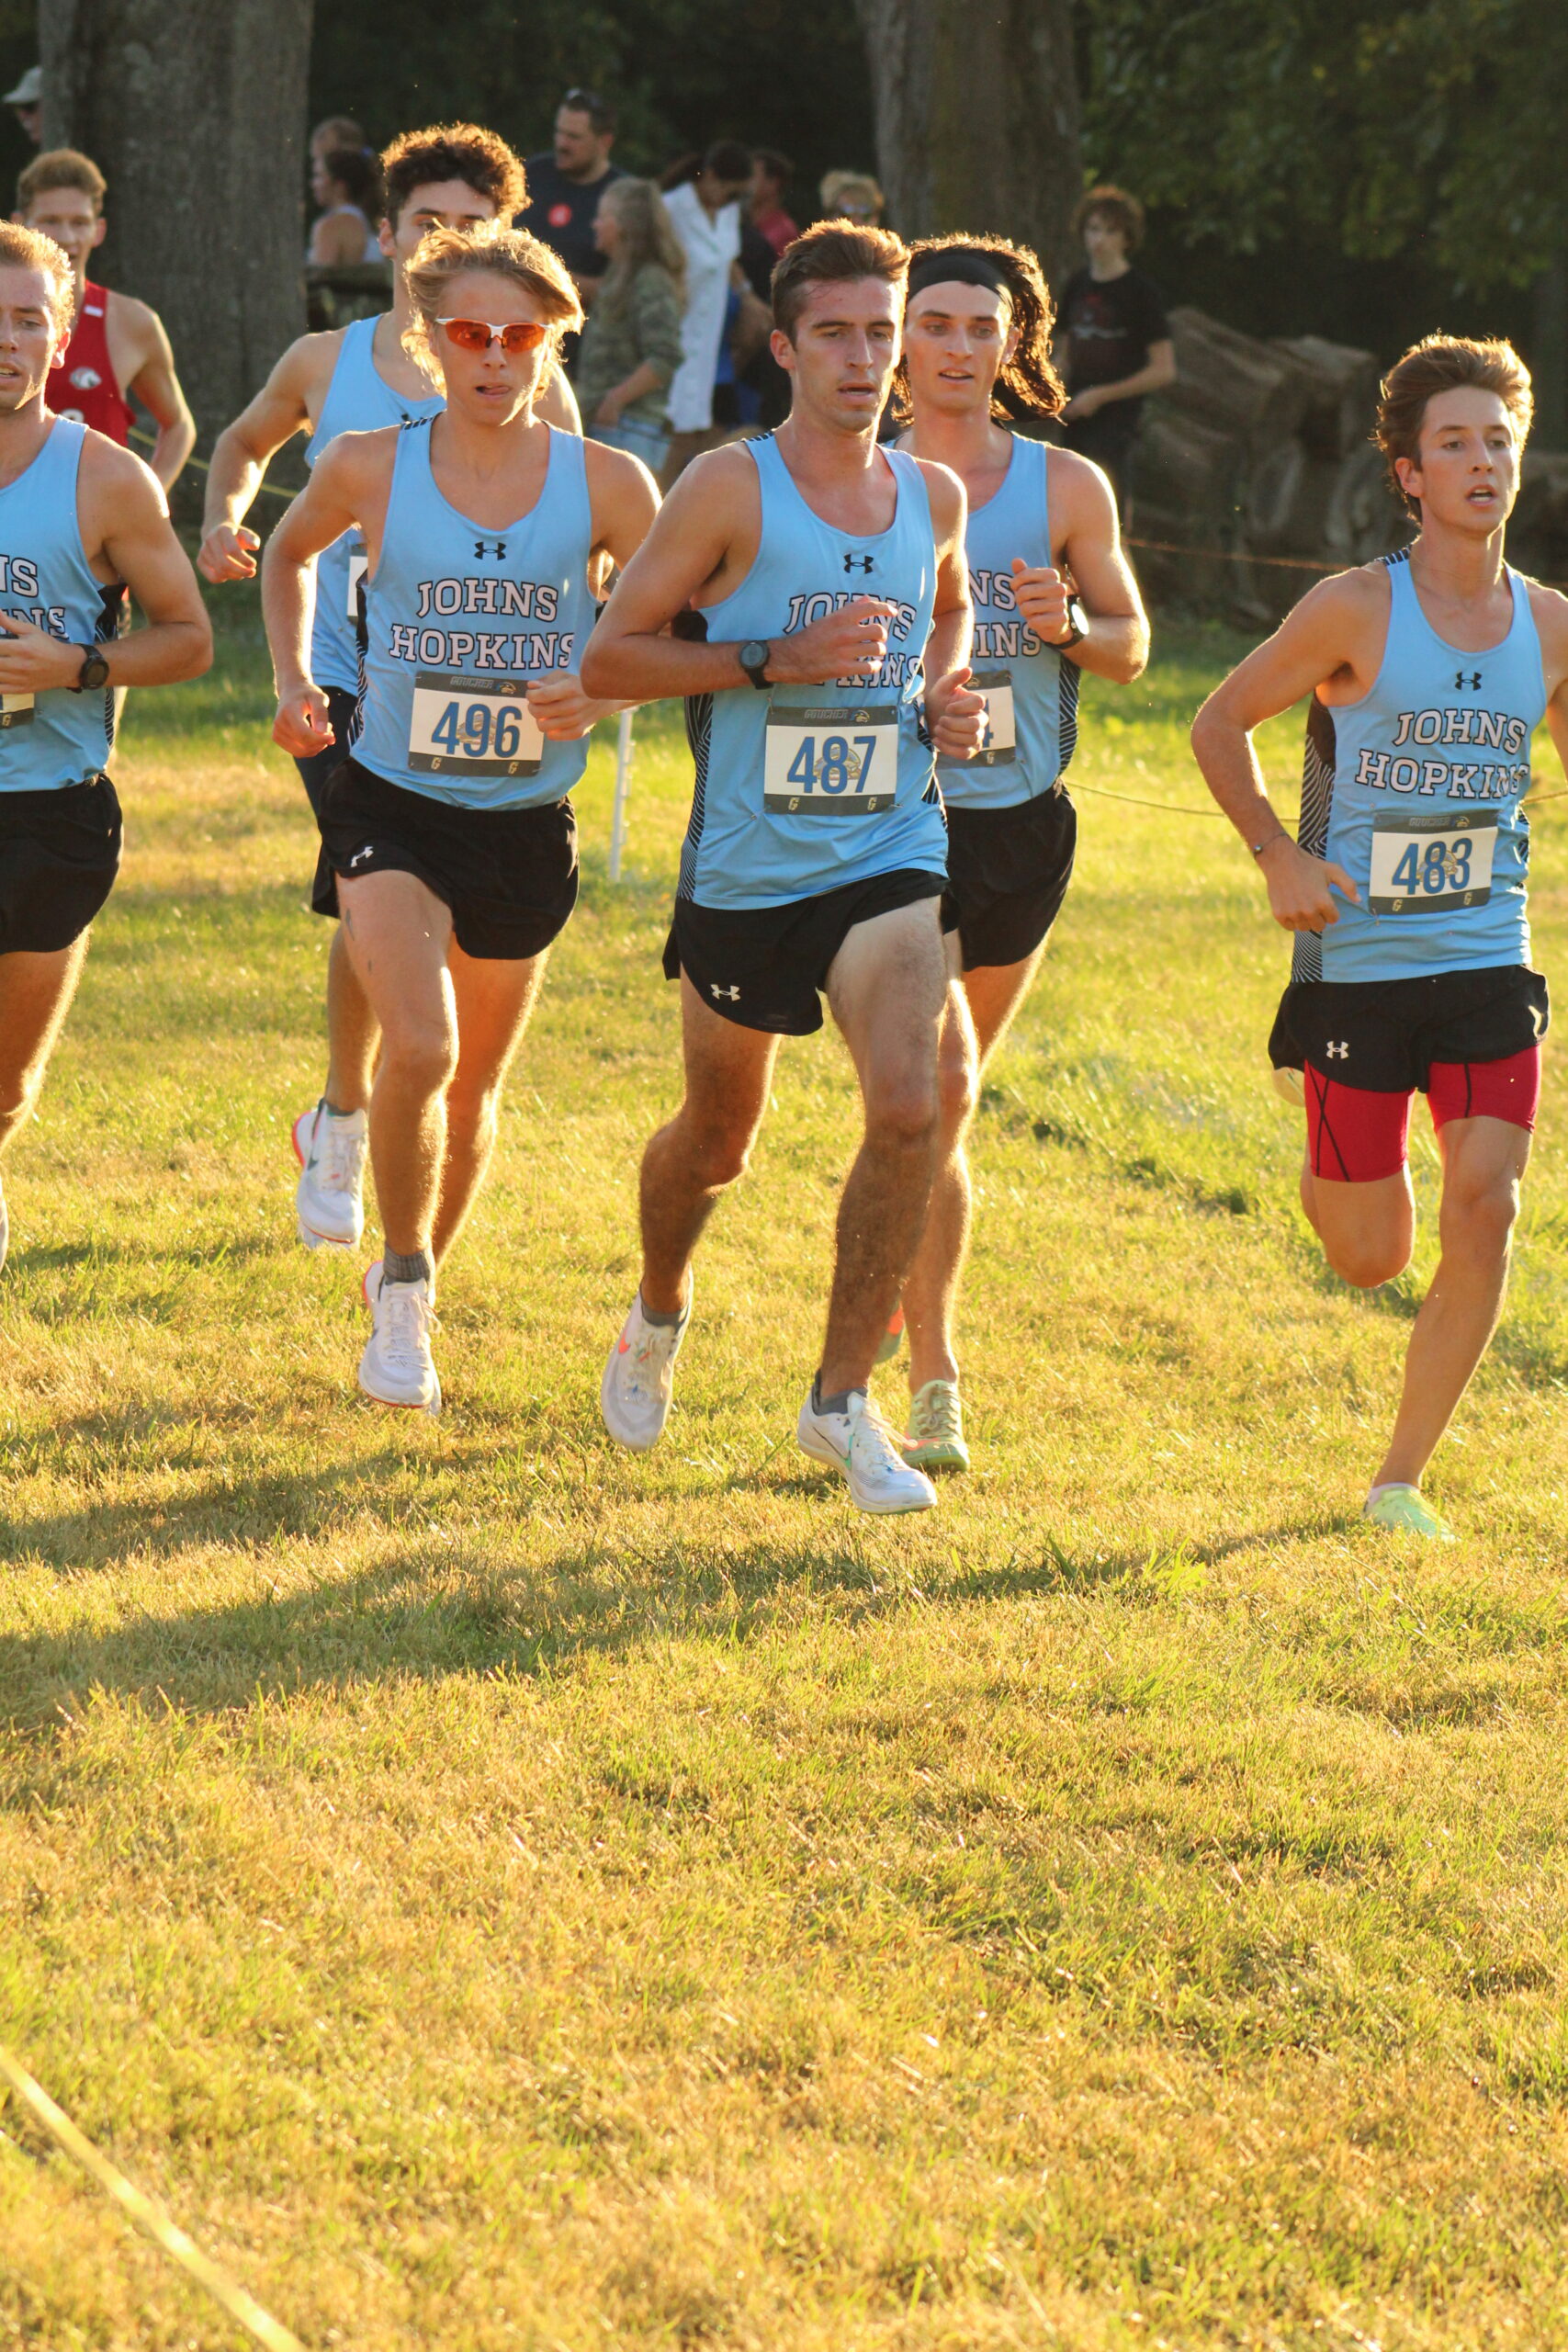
1007 870
58 855
509 876
765 967
1386 1034
314 771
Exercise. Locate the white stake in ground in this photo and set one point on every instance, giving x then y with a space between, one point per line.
623 783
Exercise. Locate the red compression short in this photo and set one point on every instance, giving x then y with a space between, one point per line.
1357 1135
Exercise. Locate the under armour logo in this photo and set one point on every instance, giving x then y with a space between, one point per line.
1339 1053
370 850
491 547
733 994
864 562
1475 680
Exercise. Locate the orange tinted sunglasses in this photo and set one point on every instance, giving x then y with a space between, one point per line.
478 334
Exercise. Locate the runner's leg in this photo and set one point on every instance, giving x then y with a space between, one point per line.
887 988
35 996
399 936
352 1032
979 1012
1483 1160
703 1148
494 997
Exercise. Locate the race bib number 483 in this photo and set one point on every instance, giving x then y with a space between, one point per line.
472 725
1434 858
838 762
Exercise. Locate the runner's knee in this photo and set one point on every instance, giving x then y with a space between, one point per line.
1367 1260
419 1052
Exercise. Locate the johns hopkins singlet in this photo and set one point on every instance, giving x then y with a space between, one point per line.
1414 790
1031 695
56 737
359 400
458 620
805 788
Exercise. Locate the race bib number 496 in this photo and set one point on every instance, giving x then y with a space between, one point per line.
472 725
837 761
1431 859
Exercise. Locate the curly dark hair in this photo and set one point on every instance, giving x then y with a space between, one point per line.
454 151
1028 385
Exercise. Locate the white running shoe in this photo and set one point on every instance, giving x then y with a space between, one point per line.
329 1199
861 1445
638 1387
396 1368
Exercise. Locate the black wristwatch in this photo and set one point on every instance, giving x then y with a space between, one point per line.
1077 627
94 672
755 655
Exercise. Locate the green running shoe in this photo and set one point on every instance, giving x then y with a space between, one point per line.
891 1336
935 1439
1405 1510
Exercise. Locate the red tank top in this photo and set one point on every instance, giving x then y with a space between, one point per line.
85 385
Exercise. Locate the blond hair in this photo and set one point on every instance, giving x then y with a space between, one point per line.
1446 363
30 249
499 252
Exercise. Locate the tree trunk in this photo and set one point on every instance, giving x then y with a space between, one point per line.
976 108
195 112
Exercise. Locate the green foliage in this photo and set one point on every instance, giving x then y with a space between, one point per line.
683 72
1427 133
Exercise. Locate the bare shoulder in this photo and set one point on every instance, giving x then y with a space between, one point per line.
610 471
307 366
360 457
1080 488
1351 598
949 499
136 317
1549 610
720 486
116 482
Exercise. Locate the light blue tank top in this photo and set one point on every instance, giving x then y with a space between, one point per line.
805 789
56 737
1031 695
1414 790
457 619
359 400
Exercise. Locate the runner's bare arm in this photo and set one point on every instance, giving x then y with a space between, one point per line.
348 489
124 521
1117 644
1551 613
1326 637
955 714
711 518
624 502
157 387
241 455
557 404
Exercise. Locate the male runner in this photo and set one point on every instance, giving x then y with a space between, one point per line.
821 571
977 354
80 522
354 379
449 846
117 346
1429 671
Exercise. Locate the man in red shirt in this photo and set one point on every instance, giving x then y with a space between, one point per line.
119 345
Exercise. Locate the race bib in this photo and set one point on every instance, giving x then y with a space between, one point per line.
1431 859
16 710
838 762
999 741
472 725
359 564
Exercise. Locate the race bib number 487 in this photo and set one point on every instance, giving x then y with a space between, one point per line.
472 725
837 761
1431 859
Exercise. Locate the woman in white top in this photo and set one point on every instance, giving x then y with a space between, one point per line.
702 194
347 185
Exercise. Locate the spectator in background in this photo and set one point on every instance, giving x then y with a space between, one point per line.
631 344
27 99
346 183
565 186
1113 343
703 197
853 195
771 176
337 131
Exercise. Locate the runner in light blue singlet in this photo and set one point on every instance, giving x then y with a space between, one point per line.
48 741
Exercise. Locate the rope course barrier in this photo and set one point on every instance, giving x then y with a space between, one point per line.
147 2214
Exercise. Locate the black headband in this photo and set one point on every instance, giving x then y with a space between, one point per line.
967 265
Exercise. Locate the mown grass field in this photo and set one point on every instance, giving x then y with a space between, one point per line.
501 1893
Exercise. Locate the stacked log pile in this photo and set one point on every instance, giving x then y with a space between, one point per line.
1258 459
